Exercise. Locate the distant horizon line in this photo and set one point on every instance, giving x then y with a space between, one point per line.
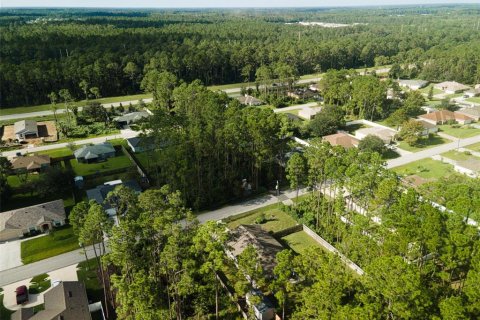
261 7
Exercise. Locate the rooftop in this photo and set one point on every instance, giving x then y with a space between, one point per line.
92 151
30 162
25 126
451 86
133 116
341 139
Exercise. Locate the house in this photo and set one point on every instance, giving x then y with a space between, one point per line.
451 87
25 129
413 84
99 193
444 116
130 118
309 113
385 134
140 144
473 113
427 127
302 94
313 87
31 163
266 245
38 218
249 100
65 301
264 310
96 152
342 139
473 92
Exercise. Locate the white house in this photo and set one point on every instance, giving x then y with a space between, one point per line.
385 134
309 113
413 84
451 87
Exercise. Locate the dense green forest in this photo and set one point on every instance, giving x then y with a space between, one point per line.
49 50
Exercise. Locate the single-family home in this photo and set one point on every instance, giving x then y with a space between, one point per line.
38 218
473 92
302 93
308 112
263 310
31 163
99 193
96 152
413 84
387 135
248 100
66 300
313 87
132 117
451 87
428 127
266 245
444 116
342 139
473 113
25 129
140 144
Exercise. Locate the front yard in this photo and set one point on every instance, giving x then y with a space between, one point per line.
423 144
459 131
426 168
458 156
58 242
474 147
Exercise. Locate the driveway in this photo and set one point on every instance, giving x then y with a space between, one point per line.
10 255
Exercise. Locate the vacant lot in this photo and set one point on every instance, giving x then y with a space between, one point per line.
426 168
46 132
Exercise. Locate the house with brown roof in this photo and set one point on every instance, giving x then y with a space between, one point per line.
31 163
451 87
65 301
43 217
342 139
444 116
266 245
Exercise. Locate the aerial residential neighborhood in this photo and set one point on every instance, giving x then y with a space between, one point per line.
287 162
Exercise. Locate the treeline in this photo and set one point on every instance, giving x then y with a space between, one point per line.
114 52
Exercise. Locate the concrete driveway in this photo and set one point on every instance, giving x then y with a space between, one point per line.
10 255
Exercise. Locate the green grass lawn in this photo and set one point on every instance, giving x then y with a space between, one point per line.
58 242
426 168
83 169
423 144
426 90
458 156
474 99
464 131
57 153
4 312
295 112
300 241
276 219
14 181
474 147
87 273
45 107
39 284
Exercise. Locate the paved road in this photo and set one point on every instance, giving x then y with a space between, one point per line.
431 152
124 134
59 111
74 257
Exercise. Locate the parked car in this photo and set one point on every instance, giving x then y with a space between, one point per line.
22 294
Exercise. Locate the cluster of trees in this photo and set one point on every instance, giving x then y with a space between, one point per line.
419 261
83 50
209 143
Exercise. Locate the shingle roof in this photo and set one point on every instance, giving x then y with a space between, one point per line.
30 162
451 86
475 111
133 116
99 193
247 99
341 139
25 126
29 216
91 152
411 83
444 115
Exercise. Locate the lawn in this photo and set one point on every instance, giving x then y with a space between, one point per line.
4 312
294 112
276 219
39 284
475 99
57 153
115 163
87 273
45 107
423 144
300 241
474 147
465 131
426 168
458 156
14 182
58 242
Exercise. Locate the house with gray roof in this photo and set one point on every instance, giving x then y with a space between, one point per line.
66 301
413 84
473 113
141 144
249 100
132 117
25 129
451 87
43 217
96 152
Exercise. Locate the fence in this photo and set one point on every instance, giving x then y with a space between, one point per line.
223 282
138 165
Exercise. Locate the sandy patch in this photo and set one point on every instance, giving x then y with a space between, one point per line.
46 132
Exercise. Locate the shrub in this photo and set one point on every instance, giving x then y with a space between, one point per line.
261 219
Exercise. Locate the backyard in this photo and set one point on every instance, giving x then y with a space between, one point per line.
57 242
458 131
423 144
111 164
300 241
426 168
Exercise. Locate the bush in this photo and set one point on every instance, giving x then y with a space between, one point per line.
261 219
468 153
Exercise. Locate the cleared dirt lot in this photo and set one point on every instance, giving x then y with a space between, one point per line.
46 132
